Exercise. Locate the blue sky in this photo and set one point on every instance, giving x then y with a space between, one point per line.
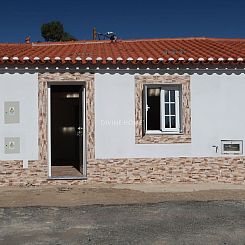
128 18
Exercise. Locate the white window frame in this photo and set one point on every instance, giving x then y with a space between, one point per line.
163 114
231 142
164 130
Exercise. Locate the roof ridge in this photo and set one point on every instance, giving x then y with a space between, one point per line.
84 42
118 40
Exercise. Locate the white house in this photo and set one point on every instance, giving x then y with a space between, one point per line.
131 111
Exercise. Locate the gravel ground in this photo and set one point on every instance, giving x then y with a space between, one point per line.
171 222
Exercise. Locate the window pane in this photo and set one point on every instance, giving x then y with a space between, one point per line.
172 95
153 108
167 125
173 122
153 91
172 109
166 94
231 147
166 109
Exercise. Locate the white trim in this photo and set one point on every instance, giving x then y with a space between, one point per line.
177 114
162 109
49 131
177 110
159 132
163 130
232 142
84 133
146 108
84 174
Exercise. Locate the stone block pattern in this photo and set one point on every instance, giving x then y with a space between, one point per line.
185 137
168 170
12 172
66 77
132 170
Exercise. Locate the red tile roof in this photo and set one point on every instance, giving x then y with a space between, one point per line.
177 50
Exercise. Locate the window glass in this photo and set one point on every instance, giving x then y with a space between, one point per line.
173 122
153 109
167 122
172 95
162 109
166 95
172 109
231 147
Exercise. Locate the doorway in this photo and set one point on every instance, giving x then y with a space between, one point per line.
66 131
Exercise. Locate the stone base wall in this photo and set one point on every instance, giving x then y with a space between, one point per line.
145 170
169 170
13 174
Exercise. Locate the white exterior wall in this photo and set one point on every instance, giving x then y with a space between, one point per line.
22 88
217 103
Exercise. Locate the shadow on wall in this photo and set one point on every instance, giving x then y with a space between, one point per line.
186 69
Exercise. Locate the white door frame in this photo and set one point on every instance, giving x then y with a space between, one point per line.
84 123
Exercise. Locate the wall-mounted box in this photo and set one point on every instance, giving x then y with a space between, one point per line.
232 147
12 145
11 112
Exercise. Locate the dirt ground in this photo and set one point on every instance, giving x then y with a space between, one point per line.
170 223
67 196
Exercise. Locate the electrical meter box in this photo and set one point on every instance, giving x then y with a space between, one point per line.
12 145
11 112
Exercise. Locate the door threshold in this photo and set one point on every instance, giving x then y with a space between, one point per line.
67 178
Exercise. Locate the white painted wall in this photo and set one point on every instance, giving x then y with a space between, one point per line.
22 88
217 103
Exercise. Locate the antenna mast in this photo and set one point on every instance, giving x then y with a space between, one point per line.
100 36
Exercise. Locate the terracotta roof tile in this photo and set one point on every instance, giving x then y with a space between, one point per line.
146 50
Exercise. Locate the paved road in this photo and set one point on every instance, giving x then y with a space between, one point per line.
213 222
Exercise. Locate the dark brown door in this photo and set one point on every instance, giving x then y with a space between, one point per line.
67 126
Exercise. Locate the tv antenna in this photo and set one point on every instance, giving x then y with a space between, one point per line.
104 36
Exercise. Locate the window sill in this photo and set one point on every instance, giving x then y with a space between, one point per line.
156 132
67 178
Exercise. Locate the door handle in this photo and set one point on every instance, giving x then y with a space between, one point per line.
80 131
